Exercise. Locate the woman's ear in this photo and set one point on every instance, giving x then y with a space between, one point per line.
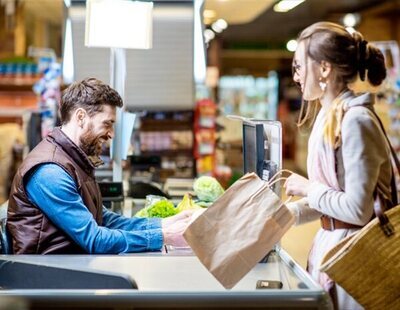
325 69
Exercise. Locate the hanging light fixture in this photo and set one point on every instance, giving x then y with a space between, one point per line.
286 5
291 45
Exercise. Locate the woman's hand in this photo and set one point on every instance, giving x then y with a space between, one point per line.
296 185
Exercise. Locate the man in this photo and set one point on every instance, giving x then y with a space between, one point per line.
55 205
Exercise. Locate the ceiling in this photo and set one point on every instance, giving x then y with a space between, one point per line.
270 27
250 21
236 11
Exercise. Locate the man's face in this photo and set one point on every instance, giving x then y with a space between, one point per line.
97 131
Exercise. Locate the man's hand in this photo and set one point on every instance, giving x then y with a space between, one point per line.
196 214
173 234
174 226
184 215
296 185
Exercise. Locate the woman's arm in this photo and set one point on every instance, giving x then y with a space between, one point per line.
302 211
365 153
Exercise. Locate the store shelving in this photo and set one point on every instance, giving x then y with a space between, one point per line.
169 135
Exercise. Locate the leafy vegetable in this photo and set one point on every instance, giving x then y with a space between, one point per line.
142 213
161 208
207 188
204 204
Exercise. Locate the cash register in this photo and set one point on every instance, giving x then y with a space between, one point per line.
112 194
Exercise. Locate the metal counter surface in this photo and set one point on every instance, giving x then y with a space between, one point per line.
177 279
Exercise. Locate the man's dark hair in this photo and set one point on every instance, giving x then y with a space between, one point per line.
90 94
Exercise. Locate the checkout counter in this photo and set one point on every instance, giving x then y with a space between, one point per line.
174 278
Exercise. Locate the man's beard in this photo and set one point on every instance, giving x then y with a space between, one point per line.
90 143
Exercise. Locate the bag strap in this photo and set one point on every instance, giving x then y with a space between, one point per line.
384 203
395 160
379 209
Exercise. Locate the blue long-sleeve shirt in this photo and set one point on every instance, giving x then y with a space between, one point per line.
55 193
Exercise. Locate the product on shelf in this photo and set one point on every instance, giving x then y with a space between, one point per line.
48 91
169 136
205 136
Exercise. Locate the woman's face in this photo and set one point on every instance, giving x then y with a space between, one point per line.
306 73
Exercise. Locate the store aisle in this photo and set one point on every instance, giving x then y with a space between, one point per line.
297 241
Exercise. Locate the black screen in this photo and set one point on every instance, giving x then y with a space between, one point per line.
249 148
111 189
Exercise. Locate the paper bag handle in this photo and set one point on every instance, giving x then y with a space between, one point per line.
288 200
281 179
279 173
276 181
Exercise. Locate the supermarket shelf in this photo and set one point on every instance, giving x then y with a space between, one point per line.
165 125
186 152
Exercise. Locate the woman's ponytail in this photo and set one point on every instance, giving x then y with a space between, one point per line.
375 65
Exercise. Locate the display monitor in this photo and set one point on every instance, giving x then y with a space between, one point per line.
262 147
253 150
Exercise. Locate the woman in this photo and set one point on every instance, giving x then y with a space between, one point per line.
347 151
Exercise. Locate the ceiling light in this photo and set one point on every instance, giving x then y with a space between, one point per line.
351 20
286 5
291 45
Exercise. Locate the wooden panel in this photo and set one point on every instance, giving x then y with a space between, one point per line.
11 119
17 100
14 104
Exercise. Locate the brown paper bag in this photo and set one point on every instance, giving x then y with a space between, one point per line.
239 229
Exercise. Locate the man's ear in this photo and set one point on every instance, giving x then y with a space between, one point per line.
80 115
325 69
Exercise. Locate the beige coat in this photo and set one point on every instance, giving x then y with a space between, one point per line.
362 160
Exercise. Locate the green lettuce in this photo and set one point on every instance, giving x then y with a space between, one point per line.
161 208
207 188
